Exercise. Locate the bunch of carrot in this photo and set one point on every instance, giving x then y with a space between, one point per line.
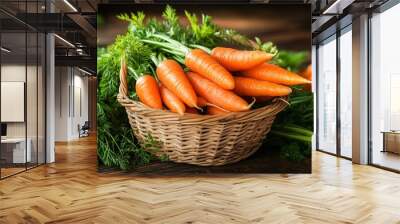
219 80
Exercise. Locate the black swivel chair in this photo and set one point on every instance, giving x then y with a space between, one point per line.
84 130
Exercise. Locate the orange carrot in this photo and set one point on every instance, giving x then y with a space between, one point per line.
307 73
191 110
252 87
215 111
202 63
172 76
216 95
148 92
275 74
172 101
201 102
237 60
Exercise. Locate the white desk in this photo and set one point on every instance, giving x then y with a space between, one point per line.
19 155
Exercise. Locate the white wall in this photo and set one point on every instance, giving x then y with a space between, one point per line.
62 81
70 83
16 73
79 117
9 73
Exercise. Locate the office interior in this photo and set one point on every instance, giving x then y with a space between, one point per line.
48 82
48 93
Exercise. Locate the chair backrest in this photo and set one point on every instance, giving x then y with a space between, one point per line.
86 125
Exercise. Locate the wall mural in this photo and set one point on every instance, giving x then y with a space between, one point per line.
204 88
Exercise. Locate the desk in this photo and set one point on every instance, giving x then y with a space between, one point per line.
16 147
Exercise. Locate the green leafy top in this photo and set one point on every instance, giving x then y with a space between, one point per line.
170 16
292 61
136 20
203 33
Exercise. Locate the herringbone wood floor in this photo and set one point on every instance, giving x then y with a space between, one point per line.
72 191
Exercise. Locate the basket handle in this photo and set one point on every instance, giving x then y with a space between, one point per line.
284 100
123 86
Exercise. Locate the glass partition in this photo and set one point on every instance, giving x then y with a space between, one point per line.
32 97
14 145
41 97
22 101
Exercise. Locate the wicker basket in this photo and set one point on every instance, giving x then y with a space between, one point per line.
204 140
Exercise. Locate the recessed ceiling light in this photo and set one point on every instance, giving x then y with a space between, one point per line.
64 40
84 71
5 50
338 6
70 5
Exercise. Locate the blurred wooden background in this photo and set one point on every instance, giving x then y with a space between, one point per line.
287 26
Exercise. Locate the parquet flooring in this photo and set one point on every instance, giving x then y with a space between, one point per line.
72 191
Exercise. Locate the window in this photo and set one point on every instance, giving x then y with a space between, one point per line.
327 95
385 89
346 92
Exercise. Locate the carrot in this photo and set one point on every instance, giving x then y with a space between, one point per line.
252 87
172 76
307 73
276 74
216 95
191 110
237 60
197 60
202 63
201 102
172 101
148 92
215 111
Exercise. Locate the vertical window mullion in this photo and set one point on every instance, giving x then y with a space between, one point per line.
369 100
338 74
317 97
37 90
26 86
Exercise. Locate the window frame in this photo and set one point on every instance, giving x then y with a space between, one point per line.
378 10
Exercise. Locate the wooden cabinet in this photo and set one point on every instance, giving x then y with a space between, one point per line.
391 142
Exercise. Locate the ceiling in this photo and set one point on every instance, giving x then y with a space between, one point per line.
76 22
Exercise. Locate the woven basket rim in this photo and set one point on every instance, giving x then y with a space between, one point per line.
128 103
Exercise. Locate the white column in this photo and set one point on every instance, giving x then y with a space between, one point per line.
360 90
50 94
